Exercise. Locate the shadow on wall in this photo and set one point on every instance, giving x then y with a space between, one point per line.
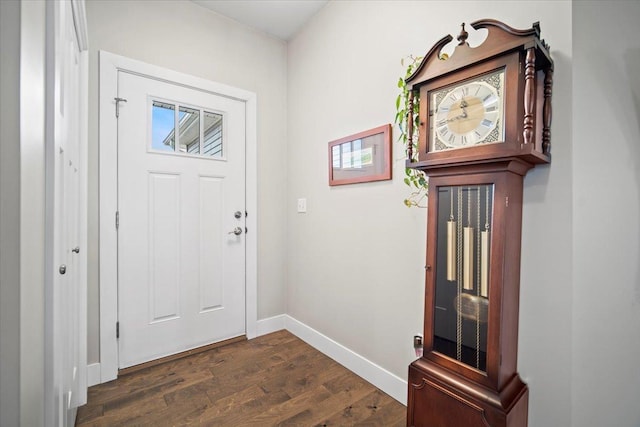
632 134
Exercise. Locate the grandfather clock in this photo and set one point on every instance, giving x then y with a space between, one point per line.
484 121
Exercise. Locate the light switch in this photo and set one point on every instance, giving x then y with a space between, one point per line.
302 205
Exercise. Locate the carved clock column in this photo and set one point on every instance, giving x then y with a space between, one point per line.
485 118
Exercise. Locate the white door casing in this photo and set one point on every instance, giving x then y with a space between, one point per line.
110 65
180 271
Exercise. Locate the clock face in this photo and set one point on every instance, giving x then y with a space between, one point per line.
468 114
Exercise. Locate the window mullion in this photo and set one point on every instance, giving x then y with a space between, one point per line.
176 129
201 132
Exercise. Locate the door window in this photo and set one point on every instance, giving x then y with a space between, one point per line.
186 130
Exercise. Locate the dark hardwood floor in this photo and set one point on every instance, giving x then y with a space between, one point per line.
273 380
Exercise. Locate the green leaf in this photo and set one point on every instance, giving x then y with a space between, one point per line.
413 178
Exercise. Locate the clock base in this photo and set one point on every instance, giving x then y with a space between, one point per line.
441 398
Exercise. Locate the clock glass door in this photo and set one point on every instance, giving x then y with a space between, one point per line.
462 277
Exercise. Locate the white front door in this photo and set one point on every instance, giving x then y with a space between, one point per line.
181 218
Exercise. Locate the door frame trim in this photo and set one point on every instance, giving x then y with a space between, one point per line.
109 65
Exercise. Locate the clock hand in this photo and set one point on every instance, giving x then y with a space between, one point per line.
459 116
453 119
464 105
464 115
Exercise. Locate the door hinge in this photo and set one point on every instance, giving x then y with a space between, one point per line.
118 101
117 219
117 329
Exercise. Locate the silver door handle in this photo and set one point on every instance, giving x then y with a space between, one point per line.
76 250
237 231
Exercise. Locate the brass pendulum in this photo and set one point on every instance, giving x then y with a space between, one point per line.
451 243
485 237
468 248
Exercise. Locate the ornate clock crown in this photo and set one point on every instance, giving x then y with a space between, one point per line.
528 79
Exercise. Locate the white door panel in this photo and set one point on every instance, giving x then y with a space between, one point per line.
180 274
68 305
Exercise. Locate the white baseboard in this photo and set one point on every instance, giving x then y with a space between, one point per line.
93 374
391 384
270 324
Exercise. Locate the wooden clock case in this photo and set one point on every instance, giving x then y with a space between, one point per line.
445 391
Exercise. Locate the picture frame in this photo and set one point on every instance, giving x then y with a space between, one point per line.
361 157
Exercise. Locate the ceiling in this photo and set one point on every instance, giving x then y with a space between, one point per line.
280 18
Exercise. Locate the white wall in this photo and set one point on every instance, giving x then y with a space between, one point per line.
22 219
32 204
183 36
355 259
9 214
606 208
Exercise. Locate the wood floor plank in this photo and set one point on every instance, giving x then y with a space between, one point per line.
385 412
185 411
143 410
275 415
304 372
275 379
370 410
89 413
223 416
347 391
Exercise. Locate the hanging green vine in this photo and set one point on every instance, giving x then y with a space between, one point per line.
414 178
